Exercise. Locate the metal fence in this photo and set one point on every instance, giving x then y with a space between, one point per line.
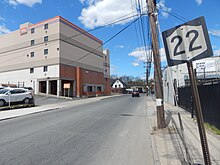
210 101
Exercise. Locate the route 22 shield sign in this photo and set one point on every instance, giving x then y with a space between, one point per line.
187 42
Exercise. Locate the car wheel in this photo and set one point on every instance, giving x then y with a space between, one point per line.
2 103
26 101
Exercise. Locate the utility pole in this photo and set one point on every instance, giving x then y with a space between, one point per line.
157 70
147 73
147 76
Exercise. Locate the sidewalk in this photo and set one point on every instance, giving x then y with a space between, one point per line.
8 114
168 146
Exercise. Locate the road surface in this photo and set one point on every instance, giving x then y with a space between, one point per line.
114 131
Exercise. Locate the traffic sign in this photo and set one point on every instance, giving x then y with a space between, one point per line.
187 42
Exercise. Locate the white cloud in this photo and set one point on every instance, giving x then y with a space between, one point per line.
214 32
199 2
28 3
101 12
214 46
4 29
135 64
217 52
140 55
119 46
165 10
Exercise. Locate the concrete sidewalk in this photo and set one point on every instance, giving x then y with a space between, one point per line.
8 114
171 146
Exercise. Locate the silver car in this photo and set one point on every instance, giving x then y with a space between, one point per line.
12 95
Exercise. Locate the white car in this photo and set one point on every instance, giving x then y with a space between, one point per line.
13 95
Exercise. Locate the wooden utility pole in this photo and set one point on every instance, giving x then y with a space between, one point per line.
157 70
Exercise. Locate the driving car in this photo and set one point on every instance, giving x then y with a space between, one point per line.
15 95
135 94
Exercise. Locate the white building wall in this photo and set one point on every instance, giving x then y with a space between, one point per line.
15 48
106 63
180 73
20 77
84 50
117 84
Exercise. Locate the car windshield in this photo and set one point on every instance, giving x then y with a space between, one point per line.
3 91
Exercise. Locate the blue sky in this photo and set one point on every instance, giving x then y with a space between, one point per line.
126 49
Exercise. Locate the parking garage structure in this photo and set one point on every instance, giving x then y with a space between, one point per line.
55 57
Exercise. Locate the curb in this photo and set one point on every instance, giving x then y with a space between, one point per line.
57 107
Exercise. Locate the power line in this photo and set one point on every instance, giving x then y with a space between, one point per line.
108 39
179 17
141 26
137 37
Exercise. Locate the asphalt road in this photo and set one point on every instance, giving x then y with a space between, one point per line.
109 132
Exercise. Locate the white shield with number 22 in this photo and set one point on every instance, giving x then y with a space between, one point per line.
186 42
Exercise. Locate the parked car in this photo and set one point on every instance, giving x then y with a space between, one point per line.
30 89
15 95
135 94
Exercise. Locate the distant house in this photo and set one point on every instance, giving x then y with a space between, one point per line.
118 84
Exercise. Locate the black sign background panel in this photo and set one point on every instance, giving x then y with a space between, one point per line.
196 22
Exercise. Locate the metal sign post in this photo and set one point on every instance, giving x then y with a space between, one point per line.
66 86
198 109
9 99
184 44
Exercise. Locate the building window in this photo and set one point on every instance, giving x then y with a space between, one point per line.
45 68
32 42
32 54
32 30
45 51
31 70
89 88
46 39
99 89
45 26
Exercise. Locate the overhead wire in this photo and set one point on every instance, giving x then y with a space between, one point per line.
142 33
177 16
141 29
149 55
183 19
135 26
108 39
